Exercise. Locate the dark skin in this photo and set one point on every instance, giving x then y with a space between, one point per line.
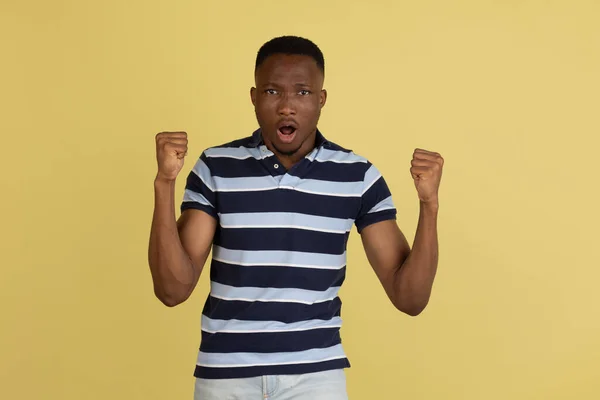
289 90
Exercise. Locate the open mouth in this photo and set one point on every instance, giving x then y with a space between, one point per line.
286 132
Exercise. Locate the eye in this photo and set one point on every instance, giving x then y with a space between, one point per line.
304 93
271 91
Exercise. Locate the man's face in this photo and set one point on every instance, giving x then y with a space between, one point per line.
287 100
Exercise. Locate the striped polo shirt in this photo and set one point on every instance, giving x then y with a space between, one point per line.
279 254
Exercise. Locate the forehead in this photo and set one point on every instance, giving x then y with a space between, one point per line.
284 67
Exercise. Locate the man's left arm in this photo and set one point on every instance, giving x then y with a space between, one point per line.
407 274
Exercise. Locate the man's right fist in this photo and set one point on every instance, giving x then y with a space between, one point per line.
171 148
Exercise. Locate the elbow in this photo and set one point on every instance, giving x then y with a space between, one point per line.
411 308
169 299
412 311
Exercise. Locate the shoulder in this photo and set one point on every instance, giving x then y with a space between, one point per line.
355 166
333 152
236 149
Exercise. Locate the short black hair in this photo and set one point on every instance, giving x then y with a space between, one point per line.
290 45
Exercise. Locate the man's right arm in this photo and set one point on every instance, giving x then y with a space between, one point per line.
178 249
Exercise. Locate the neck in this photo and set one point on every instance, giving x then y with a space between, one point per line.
289 160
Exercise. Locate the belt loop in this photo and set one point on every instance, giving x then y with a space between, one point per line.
265 388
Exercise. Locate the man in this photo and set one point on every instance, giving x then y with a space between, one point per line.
277 207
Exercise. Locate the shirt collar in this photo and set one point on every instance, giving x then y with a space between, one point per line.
257 139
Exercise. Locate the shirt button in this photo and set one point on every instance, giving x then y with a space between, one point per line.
276 166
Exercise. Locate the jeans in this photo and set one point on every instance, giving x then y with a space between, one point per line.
326 385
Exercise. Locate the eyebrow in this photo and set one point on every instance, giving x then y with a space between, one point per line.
299 84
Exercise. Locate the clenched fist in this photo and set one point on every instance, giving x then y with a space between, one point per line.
426 171
171 148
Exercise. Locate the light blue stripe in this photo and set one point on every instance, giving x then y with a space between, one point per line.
280 258
203 172
287 295
231 360
237 326
189 195
240 153
245 184
371 176
313 186
339 157
385 204
328 188
285 220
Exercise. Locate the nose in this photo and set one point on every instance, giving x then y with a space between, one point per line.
286 106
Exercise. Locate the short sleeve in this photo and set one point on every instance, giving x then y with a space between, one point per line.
200 192
376 200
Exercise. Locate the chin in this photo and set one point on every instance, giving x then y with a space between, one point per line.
287 149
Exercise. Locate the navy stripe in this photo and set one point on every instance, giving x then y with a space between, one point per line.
331 171
378 192
281 239
289 201
271 342
249 167
195 183
270 311
372 218
276 277
246 372
187 205
234 168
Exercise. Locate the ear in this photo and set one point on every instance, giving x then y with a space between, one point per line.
323 98
253 95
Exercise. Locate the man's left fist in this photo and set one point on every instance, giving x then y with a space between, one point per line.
426 170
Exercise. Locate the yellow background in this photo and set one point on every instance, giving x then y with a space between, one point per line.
507 91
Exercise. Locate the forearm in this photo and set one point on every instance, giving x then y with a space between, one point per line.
414 279
172 270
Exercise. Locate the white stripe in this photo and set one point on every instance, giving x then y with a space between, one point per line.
317 360
285 226
248 264
321 193
263 300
